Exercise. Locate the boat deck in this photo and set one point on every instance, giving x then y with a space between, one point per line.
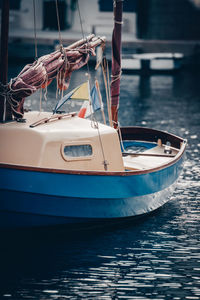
151 158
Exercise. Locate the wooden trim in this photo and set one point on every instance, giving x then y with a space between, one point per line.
150 135
90 173
147 154
52 118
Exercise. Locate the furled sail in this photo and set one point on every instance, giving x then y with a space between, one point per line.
116 60
59 64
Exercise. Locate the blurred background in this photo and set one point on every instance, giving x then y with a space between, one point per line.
149 25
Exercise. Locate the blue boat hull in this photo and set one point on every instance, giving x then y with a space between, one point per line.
41 198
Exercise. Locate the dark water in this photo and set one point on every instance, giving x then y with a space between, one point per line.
157 257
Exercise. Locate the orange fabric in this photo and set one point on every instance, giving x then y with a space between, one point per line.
82 112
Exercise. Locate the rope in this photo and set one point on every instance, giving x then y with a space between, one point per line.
88 69
109 91
40 100
118 22
116 77
66 65
81 23
62 50
36 54
93 122
61 47
95 125
4 109
6 91
58 21
104 70
120 137
105 163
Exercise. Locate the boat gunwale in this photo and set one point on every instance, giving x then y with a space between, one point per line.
124 131
151 135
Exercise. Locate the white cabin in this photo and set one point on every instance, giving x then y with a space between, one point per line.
69 143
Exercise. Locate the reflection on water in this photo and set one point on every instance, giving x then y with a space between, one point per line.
156 257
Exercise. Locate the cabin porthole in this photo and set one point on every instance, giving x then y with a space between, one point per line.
71 152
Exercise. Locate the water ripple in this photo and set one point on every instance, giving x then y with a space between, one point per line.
156 258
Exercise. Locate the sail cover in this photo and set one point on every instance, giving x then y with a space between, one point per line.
116 59
59 64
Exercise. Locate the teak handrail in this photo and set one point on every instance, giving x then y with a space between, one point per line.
52 118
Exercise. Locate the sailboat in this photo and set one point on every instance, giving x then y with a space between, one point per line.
64 169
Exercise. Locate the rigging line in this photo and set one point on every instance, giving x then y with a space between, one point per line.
100 99
4 110
88 69
81 23
105 163
40 100
35 35
58 21
116 77
109 92
61 79
120 137
90 102
104 70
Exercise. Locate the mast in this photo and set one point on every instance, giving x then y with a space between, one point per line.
116 60
4 105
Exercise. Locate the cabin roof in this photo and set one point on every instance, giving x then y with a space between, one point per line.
45 145
70 126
